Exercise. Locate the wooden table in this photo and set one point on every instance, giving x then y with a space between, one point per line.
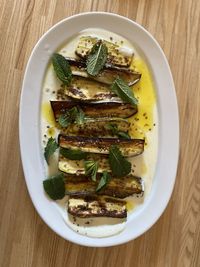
175 239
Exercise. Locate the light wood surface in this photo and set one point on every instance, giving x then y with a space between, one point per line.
175 239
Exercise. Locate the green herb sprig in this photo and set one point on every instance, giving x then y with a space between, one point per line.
97 58
75 114
73 154
115 131
55 186
121 88
50 149
119 165
62 68
91 168
105 178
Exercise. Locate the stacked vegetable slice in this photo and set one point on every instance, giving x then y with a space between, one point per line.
94 143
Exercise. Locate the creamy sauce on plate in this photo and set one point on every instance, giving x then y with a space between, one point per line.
144 124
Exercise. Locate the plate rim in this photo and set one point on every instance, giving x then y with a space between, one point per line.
94 243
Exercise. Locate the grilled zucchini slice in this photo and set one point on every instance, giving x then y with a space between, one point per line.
120 188
77 166
128 147
89 90
95 109
97 127
96 206
107 75
115 57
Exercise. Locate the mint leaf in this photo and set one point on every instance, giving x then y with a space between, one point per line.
73 154
50 148
123 135
64 120
97 58
62 68
115 131
80 116
75 114
120 88
119 165
105 178
55 187
91 168
112 127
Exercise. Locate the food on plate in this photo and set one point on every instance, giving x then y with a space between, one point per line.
96 206
128 147
99 131
119 188
100 127
95 109
76 165
107 75
115 56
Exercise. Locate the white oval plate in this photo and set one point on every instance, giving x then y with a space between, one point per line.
29 121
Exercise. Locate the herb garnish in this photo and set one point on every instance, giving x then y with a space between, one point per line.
62 68
123 135
55 186
73 154
115 131
91 168
97 58
80 116
105 178
119 165
75 114
50 148
120 88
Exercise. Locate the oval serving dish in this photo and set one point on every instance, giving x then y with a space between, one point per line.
168 133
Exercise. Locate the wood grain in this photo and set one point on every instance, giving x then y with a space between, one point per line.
175 239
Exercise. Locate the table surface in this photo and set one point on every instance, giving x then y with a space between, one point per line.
175 239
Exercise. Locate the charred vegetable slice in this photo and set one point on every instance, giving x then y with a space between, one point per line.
89 90
120 188
96 206
95 110
128 147
107 75
77 166
115 54
99 127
